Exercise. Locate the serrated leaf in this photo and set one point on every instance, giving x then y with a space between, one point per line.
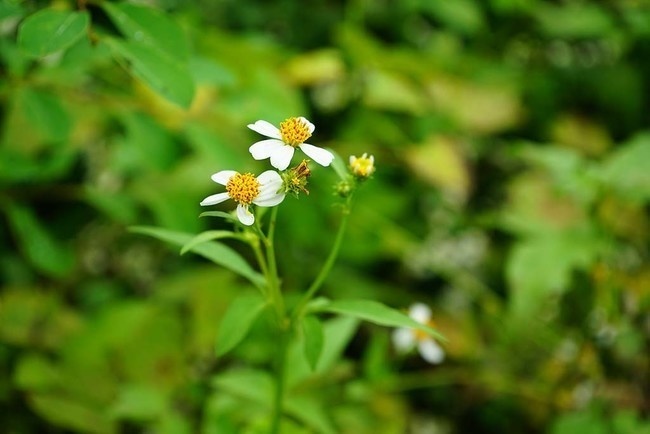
206 236
237 321
150 27
164 74
216 252
378 313
313 339
49 30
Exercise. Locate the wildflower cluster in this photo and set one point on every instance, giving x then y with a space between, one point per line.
270 188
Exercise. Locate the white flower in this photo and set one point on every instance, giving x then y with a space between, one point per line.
265 190
284 140
405 339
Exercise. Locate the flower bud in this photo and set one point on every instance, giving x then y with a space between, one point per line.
362 167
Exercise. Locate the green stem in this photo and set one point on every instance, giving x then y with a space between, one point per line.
278 396
327 266
283 323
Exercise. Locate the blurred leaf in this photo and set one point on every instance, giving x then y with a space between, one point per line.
337 333
138 402
237 321
377 313
68 413
217 253
626 170
316 67
574 20
149 27
164 74
35 373
392 91
464 16
313 339
45 252
48 31
541 266
46 113
146 144
587 422
310 410
208 236
219 214
253 385
439 162
340 166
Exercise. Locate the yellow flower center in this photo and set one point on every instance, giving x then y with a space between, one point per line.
363 166
294 131
243 188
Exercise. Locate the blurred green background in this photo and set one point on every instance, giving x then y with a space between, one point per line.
512 144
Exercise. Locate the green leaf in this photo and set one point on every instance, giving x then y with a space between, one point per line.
216 252
34 372
46 113
313 339
138 402
251 384
162 73
49 30
541 266
149 27
219 214
38 245
340 166
377 313
69 413
310 411
626 170
237 321
206 236
337 333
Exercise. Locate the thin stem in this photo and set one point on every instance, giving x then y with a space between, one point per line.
274 281
278 396
327 266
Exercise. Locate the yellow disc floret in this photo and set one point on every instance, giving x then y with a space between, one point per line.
243 188
294 131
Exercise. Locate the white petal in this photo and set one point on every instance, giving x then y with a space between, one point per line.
265 148
270 185
403 339
268 177
266 129
223 177
244 215
319 155
420 312
269 200
215 199
281 157
310 126
431 351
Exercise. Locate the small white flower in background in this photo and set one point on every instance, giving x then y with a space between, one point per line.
283 142
405 339
363 166
246 189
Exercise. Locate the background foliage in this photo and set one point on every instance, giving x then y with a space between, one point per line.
512 145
